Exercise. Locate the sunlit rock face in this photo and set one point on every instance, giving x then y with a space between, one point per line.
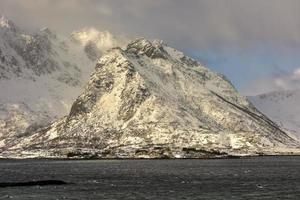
152 101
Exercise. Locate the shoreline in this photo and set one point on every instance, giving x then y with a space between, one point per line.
135 159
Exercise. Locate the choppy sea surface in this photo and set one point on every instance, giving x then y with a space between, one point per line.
245 178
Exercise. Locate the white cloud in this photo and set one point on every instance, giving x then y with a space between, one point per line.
284 82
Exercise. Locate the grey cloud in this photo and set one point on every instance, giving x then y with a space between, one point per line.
193 26
194 23
289 81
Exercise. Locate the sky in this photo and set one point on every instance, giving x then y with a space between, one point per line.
255 43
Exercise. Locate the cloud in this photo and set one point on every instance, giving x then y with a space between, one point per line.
193 26
289 81
196 23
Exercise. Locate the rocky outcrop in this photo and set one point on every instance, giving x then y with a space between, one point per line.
152 101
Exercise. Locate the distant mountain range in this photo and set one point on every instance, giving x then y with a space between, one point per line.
283 107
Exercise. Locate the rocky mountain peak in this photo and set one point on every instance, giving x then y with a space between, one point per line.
151 100
143 46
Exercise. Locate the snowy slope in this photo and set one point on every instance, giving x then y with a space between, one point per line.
42 73
152 101
283 107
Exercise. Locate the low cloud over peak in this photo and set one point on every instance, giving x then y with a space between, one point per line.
194 26
202 24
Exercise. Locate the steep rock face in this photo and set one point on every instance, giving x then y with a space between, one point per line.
152 101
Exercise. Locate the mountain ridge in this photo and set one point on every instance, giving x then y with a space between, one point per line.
152 101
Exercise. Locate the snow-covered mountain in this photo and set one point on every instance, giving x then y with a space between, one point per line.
42 73
282 107
151 100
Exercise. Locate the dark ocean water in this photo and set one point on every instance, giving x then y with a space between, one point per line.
247 178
